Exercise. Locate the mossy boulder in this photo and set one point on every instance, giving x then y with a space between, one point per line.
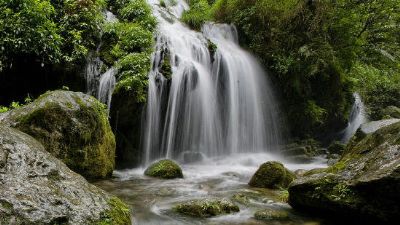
165 168
73 127
37 188
205 208
272 175
365 183
271 214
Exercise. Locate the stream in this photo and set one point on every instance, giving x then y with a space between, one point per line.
152 199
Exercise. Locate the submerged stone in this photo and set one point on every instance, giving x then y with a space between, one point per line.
37 188
271 214
165 168
206 208
73 127
272 175
365 183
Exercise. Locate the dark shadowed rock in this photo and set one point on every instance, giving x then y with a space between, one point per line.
37 188
73 127
272 175
365 183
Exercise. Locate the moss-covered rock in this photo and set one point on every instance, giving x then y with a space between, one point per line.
272 175
37 188
271 214
365 182
336 147
206 208
165 168
73 127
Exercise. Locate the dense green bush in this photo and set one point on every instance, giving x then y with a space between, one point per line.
27 27
198 14
57 31
378 88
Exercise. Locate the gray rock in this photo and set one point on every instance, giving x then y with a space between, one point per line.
371 127
73 127
37 188
365 183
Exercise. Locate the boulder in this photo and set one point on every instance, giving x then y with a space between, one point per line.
37 188
272 175
73 127
371 127
165 168
205 208
365 183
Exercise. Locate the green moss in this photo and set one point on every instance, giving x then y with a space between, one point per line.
198 14
166 169
206 208
81 137
272 175
118 214
270 214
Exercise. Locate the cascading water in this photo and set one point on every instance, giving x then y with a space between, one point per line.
213 104
357 117
100 85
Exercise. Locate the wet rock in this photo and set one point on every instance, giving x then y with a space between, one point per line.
165 168
191 157
73 127
272 175
302 151
371 127
365 183
271 214
37 188
205 208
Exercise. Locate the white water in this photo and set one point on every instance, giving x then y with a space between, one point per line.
97 84
216 107
357 117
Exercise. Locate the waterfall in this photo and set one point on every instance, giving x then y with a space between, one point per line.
215 104
357 117
100 85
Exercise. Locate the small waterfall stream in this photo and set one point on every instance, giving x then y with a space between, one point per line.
215 103
101 85
357 117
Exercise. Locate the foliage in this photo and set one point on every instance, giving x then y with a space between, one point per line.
378 88
128 45
198 14
27 27
138 11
